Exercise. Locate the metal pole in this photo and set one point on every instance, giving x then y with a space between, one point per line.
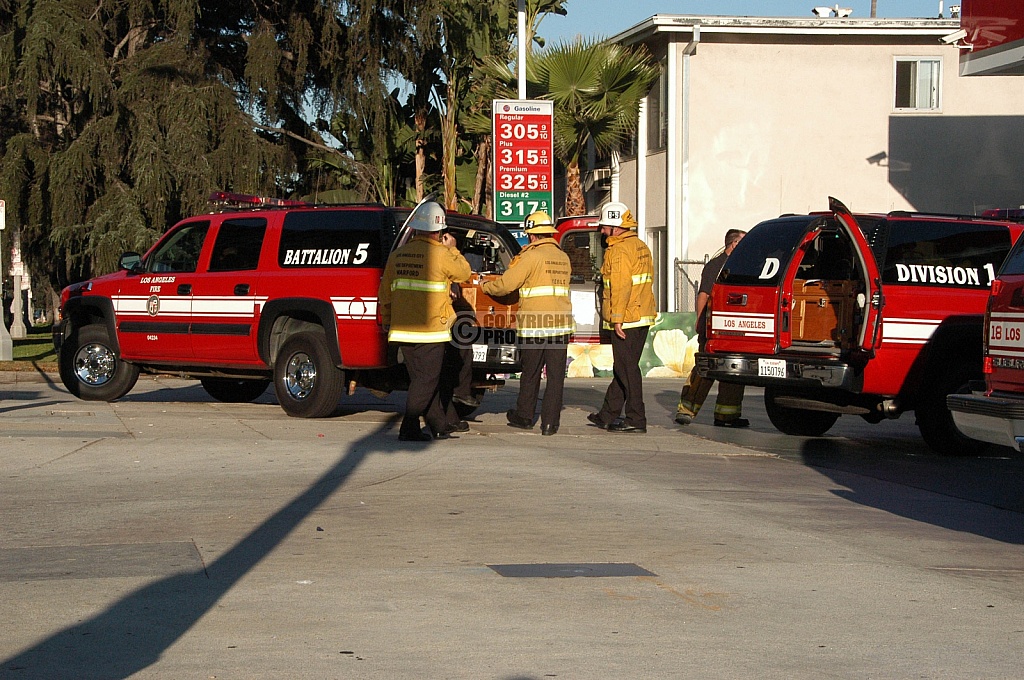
18 330
521 73
6 345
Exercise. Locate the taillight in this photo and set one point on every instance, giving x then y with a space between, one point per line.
997 286
986 365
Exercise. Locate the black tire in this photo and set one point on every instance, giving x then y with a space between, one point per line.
90 368
234 390
797 421
934 420
306 381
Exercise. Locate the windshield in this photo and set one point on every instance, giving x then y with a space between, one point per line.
1014 263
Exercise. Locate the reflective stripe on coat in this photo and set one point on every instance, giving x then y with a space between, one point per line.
541 273
627 296
414 298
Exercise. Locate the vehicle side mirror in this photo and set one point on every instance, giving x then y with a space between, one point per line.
131 262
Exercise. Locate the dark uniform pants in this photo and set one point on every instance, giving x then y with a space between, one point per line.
425 397
727 406
459 357
627 388
459 362
535 354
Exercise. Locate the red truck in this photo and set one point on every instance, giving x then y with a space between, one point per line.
993 410
267 291
871 315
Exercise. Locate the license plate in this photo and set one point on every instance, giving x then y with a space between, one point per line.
480 353
771 368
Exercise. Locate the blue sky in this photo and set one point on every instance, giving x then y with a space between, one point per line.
605 18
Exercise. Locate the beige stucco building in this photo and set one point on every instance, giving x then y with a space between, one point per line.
756 117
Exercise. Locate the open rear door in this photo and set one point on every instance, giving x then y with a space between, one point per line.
869 332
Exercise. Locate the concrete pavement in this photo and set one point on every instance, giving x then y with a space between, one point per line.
170 536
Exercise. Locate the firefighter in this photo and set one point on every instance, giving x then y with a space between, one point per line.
730 395
628 310
416 310
544 322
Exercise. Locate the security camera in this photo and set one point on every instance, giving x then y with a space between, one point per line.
953 37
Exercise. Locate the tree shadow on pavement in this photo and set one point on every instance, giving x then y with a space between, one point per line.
135 631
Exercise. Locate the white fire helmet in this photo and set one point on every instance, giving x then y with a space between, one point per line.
616 214
428 216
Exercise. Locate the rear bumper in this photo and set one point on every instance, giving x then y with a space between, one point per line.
997 420
497 359
800 371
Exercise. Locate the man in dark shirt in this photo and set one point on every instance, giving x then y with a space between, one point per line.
730 395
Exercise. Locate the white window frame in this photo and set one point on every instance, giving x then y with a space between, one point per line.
658 115
936 105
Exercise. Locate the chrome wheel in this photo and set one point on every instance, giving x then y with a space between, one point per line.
90 367
307 381
95 364
300 376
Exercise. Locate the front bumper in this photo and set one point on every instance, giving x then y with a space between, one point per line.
800 371
59 333
994 419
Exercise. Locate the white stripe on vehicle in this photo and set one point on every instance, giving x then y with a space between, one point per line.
355 307
226 306
901 331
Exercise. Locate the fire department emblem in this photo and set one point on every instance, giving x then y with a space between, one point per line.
153 305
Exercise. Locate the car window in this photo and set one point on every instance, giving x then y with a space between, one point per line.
829 257
238 245
585 254
763 254
485 252
1014 263
944 253
334 238
179 251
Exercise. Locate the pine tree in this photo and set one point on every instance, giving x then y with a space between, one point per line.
121 117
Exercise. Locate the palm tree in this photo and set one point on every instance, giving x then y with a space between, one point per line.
596 87
475 115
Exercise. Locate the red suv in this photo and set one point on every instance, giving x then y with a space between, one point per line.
872 315
994 410
268 291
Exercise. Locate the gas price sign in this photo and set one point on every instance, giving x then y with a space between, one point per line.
524 166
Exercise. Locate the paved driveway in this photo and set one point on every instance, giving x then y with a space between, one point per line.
170 536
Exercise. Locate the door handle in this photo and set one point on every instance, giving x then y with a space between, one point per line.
242 289
185 289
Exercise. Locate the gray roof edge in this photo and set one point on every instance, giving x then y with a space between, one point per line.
670 23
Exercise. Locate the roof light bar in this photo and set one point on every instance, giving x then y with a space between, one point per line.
227 198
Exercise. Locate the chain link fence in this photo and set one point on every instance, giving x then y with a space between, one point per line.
687 281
